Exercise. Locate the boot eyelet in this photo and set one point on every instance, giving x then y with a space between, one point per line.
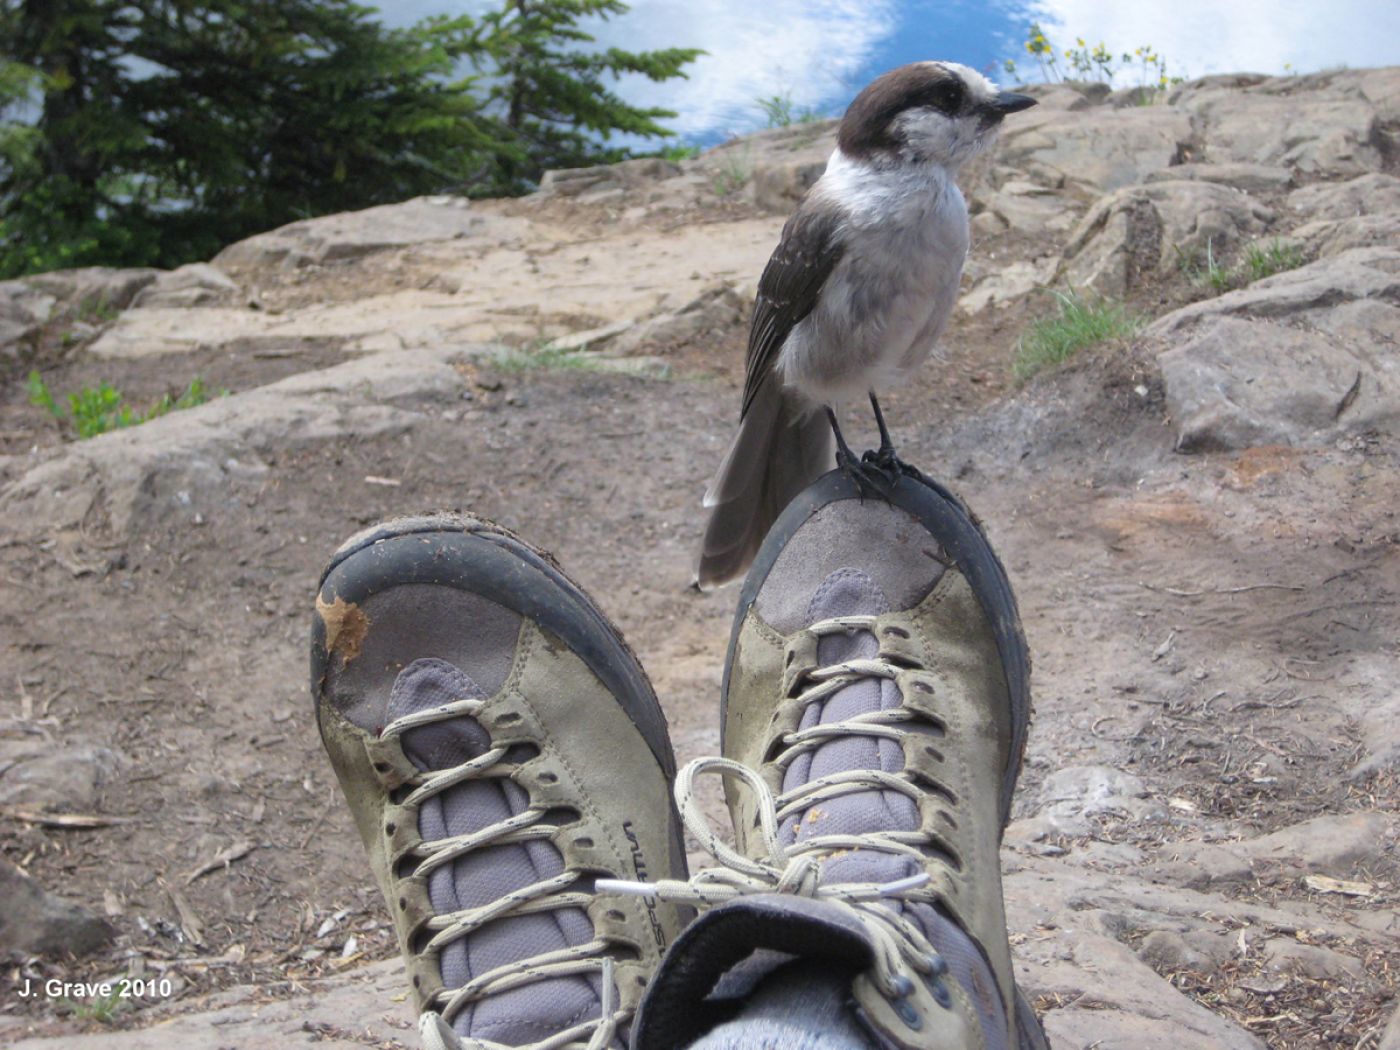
941 995
908 1014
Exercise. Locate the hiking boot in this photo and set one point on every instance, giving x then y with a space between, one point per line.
500 749
876 702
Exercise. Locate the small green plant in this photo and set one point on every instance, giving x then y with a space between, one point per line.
781 112
1078 322
41 396
96 310
1097 62
1207 273
732 175
96 410
195 394
1091 62
1265 260
1039 48
545 356
1259 260
676 154
102 1008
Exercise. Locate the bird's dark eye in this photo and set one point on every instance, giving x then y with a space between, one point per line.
946 97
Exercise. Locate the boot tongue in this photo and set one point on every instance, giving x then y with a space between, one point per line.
850 592
438 745
533 1011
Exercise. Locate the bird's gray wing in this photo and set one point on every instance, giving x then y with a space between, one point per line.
808 251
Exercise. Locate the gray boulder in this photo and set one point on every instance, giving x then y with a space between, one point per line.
1240 383
780 185
198 284
1361 213
24 309
1028 206
776 166
94 290
573 182
1252 178
1068 94
1287 955
1139 230
1319 124
1334 236
1366 195
353 235
1167 951
34 775
88 296
1379 731
1005 283
36 922
1093 150
1111 998
1296 359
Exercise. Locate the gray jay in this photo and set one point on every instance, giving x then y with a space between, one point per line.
854 297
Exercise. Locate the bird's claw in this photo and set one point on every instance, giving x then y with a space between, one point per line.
887 462
871 476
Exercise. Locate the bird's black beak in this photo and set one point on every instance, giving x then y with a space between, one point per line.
1010 102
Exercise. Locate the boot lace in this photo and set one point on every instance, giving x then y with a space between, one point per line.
552 894
899 944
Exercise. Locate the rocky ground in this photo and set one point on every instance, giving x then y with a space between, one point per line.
1200 522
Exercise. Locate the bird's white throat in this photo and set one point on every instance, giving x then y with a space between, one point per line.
878 192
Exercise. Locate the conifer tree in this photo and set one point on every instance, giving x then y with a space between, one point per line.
549 87
153 132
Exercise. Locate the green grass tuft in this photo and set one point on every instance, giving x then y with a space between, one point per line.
1265 260
1258 261
103 1009
544 357
96 310
676 154
1077 322
732 174
1207 273
781 112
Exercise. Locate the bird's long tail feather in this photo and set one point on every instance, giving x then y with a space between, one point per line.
782 446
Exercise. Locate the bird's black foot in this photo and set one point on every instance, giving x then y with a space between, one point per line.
869 477
887 463
883 459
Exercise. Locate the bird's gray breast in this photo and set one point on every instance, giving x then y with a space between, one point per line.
886 303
